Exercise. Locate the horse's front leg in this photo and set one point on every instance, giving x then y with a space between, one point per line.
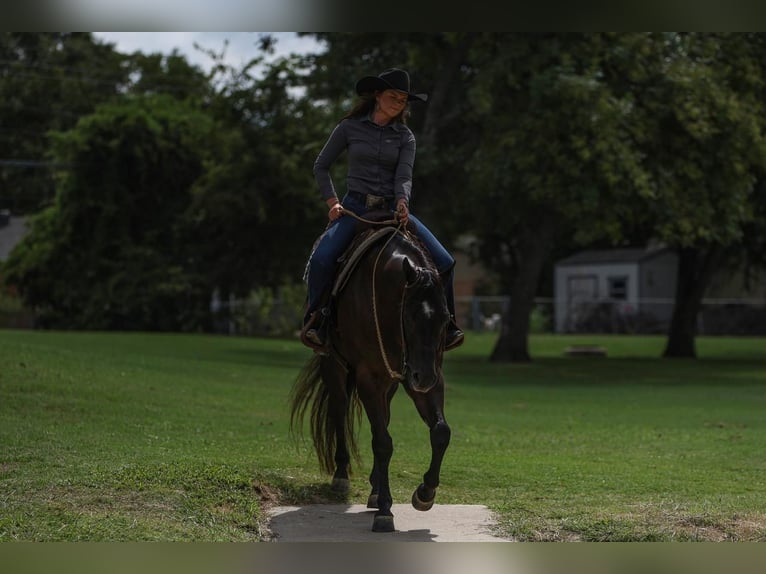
430 405
377 410
372 500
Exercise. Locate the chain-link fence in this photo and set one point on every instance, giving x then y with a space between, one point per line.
645 316
280 313
485 313
266 312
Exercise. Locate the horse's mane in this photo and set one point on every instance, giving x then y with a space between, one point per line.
424 261
425 255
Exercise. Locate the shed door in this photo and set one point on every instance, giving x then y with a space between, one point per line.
582 288
582 292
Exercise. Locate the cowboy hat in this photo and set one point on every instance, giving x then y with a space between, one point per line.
391 79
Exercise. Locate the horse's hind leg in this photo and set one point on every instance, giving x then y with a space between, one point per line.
336 377
431 408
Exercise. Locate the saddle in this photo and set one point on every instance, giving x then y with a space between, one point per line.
367 235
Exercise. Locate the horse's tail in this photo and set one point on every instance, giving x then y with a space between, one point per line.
310 392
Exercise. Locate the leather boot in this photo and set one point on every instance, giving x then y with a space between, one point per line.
455 335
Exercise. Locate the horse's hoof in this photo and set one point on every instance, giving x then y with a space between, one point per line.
372 501
341 485
383 523
419 504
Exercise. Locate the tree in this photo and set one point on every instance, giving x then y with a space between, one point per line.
256 213
560 165
110 252
601 136
700 129
47 82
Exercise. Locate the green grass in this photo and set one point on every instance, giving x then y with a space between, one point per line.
116 437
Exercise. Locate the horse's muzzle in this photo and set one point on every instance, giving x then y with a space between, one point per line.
420 381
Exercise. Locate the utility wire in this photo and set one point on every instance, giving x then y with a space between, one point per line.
32 163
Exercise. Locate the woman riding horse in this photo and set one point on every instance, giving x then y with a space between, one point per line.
381 155
395 283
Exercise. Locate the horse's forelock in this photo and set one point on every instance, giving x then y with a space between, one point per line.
427 278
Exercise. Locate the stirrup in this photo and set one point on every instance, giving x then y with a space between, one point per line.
314 332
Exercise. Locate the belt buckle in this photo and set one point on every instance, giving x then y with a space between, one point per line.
371 201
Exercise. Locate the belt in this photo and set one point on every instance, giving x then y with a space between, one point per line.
370 200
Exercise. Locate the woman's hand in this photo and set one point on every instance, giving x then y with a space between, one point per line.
403 211
336 209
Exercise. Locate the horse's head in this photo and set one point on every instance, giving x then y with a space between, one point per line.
424 321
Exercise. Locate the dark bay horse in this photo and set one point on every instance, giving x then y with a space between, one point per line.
388 330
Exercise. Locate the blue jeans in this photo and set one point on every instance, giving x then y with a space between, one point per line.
338 237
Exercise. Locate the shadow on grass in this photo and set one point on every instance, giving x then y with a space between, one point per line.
274 490
600 372
288 357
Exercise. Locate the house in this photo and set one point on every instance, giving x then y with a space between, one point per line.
615 290
633 290
473 311
12 229
12 315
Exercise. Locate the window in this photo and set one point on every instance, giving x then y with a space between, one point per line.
618 288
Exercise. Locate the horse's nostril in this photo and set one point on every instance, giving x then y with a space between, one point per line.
415 376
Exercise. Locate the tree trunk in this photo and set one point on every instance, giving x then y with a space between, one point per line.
439 109
695 269
513 345
434 176
535 241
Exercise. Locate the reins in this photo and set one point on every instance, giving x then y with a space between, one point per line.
393 221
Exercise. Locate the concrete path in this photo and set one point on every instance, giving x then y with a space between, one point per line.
353 523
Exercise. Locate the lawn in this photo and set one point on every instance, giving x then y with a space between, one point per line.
134 437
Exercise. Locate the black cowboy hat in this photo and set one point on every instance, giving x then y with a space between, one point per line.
391 79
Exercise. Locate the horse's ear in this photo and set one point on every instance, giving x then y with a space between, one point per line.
410 272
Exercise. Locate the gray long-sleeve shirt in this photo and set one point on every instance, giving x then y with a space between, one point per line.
380 158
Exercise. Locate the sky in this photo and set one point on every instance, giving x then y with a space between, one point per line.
241 48
185 14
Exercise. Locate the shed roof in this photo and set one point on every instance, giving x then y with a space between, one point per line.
606 256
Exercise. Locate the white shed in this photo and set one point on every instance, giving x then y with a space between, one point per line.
606 290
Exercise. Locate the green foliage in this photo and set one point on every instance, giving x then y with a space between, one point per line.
702 136
110 253
49 80
12 311
540 320
563 148
9 303
163 198
271 312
